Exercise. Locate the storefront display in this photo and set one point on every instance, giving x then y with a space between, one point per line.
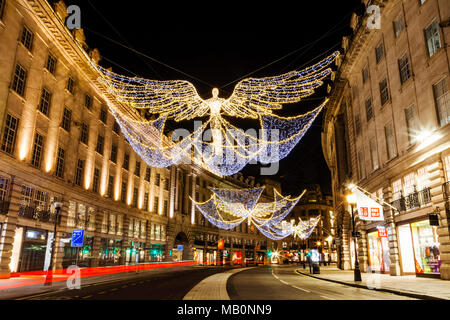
379 259
110 252
34 249
156 252
419 248
426 248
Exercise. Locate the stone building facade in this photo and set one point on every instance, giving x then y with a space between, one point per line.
387 130
311 205
60 143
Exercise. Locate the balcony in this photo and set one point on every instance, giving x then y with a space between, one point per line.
415 200
36 213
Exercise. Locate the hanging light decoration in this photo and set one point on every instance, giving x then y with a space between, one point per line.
227 208
216 145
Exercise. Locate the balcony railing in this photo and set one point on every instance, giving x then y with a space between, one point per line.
36 213
412 201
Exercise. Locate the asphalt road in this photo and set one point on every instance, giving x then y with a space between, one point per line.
282 283
164 284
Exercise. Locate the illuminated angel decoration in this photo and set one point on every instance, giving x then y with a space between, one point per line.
216 144
228 208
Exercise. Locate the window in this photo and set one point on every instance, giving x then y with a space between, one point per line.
357 124
84 136
390 141
442 100
411 124
113 157
20 79
156 205
100 144
110 186
70 85
166 208
197 181
135 197
379 52
60 163
9 134
88 101
79 172
137 169
96 180
403 66
37 150
116 127
123 192
51 64
126 161
397 189
2 7
409 182
374 154
384 92
27 38
433 38
66 119
365 74
44 104
103 114
146 201
157 179
369 110
399 25
166 183
147 174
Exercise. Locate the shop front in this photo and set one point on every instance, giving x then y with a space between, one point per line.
135 252
419 249
84 254
34 250
110 251
198 256
211 257
156 252
378 245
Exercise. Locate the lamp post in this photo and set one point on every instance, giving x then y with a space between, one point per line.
351 199
49 276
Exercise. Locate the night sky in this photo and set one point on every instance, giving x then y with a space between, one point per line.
217 45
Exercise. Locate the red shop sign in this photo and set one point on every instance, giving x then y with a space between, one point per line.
382 233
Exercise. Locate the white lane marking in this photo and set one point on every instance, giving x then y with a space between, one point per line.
300 288
327 297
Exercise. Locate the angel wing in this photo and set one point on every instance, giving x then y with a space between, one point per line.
177 99
253 97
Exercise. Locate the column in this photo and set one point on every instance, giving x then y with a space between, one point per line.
9 230
389 215
125 240
437 180
148 240
59 246
193 197
98 238
205 249
170 236
172 191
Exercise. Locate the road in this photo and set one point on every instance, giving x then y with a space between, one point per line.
282 283
259 283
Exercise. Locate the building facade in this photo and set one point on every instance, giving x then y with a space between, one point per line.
387 130
313 204
59 143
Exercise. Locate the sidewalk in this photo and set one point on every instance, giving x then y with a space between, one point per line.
412 286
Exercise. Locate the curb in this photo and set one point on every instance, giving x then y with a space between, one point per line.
400 293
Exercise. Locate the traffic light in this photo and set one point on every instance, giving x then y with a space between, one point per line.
308 254
269 254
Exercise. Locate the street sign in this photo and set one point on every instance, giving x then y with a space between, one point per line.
180 247
77 237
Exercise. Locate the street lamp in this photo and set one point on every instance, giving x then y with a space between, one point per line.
351 199
49 276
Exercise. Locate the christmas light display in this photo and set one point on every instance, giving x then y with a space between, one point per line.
216 145
227 208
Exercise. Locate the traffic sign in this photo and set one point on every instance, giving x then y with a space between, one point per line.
180 247
77 237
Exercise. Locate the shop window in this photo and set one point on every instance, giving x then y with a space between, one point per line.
426 248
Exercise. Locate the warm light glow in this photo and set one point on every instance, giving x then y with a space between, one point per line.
231 148
318 243
329 239
351 198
